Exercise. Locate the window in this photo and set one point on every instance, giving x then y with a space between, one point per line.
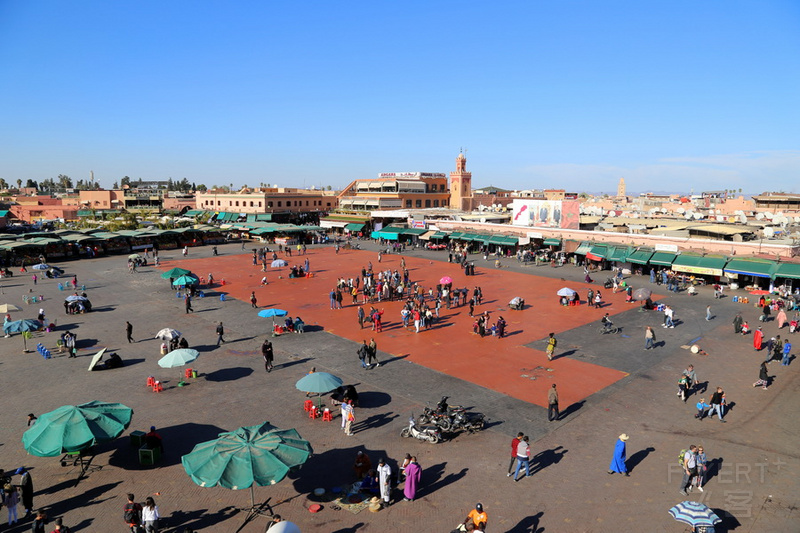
279 204
427 203
329 204
269 204
259 204
237 203
408 203
436 203
251 203
306 203
419 203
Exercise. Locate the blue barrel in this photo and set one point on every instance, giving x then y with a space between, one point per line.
735 299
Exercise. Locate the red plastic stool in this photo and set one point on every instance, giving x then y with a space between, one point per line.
151 381
313 413
308 405
157 387
327 416
188 373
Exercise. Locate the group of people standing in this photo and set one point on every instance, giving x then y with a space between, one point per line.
380 480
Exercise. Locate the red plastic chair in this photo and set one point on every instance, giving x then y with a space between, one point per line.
188 373
313 413
151 381
327 416
157 387
308 405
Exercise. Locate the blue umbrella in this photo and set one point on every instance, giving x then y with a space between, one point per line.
18 326
694 514
266 313
279 263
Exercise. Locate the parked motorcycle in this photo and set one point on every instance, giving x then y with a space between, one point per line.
427 434
440 416
464 421
452 418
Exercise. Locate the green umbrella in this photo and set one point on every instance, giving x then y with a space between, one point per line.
319 382
175 273
186 279
74 428
260 455
178 358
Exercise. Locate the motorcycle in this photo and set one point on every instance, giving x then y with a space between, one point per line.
452 418
468 422
428 434
440 417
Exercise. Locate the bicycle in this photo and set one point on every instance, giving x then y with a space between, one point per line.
610 329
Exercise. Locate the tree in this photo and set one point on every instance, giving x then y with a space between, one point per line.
125 181
3 184
115 186
184 185
19 184
65 182
202 188
170 185
32 183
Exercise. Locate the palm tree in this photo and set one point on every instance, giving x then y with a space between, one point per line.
19 184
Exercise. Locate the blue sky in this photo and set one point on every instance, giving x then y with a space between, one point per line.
673 96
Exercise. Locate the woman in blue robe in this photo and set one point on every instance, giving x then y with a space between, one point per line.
618 461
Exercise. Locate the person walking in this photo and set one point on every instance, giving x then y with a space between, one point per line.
590 298
552 403
758 339
523 458
38 525
350 417
385 481
413 475
737 323
551 346
702 468
188 302
266 352
514 444
11 500
649 338
717 402
763 376
129 331
253 300
26 488
220 333
708 312
372 354
689 463
618 460
787 353
363 354
361 316
132 514
150 515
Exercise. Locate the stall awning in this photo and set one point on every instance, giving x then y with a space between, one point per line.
193 212
584 248
617 253
413 231
439 235
788 270
481 237
427 236
354 226
84 213
504 240
698 264
597 253
640 257
456 235
759 269
663 258
552 242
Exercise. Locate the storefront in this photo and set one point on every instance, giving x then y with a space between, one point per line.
749 273
709 268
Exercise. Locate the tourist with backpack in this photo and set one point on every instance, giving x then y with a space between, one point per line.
688 461
132 514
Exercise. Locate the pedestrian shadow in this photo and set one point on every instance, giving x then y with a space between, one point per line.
178 441
333 468
729 522
204 347
547 458
197 519
393 359
84 499
565 354
634 460
228 374
292 363
351 529
103 309
529 524
373 422
713 468
571 409
436 472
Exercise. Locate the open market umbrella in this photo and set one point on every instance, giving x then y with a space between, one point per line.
18 326
168 334
73 428
319 382
175 273
186 279
178 358
134 256
278 263
566 291
7 308
96 358
694 514
267 313
446 280
76 298
641 295
254 455
41 266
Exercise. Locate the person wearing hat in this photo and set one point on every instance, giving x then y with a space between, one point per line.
154 440
477 516
618 461
26 488
385 481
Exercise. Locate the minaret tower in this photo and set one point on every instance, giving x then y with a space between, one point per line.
461 185
621 189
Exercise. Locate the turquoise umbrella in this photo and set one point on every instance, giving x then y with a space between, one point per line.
178 358
186 279
175 273
74 428
319 382
254 455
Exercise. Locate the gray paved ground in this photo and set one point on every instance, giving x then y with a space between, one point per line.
755 454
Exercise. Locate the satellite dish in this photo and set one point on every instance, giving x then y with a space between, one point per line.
759 216
743 219
680 210
687 216
738 212
768 214
612 214
697 216
769 232
721 218
797 219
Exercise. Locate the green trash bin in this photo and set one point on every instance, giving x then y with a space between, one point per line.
137 439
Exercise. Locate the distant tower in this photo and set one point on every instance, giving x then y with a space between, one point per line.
461 185
621 188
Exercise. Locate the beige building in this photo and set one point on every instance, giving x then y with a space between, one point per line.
267 200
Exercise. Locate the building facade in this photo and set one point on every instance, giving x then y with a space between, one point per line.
267 200
396 190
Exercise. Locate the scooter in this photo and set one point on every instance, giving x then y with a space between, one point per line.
427 434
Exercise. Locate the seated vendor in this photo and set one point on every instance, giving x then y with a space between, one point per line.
370 483
289 324
362 465
183 343
299 325
153 440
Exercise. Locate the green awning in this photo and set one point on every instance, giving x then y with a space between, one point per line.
504 240
354 226
456 235
193 212
640 257
264 217
85 213
788 270
4 213
617 253
552 242
698 264
392 229
598 251
439 235
663 258
468 236
414 231
584 248
759 269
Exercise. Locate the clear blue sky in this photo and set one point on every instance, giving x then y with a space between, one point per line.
672 95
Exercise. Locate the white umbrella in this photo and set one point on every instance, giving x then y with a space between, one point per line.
566 291
168 334
41 266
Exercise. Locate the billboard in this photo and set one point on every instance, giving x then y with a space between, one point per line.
546 213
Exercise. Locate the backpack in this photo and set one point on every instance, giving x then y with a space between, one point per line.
682 458
131 513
